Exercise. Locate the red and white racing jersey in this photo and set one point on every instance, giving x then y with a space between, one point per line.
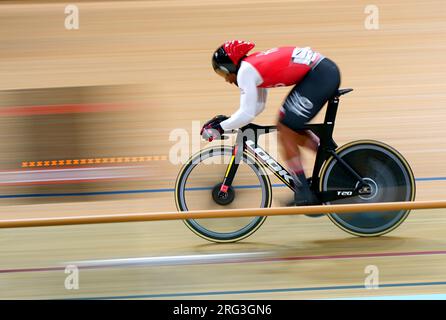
277 67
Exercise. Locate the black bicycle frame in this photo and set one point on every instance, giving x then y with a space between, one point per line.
247 138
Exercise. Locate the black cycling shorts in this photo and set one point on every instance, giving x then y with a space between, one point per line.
308 97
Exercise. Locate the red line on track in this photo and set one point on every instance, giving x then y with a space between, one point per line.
362 255
64 108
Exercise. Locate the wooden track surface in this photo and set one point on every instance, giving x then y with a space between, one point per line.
400 96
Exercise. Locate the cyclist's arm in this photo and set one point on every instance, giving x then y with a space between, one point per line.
252 99
261 100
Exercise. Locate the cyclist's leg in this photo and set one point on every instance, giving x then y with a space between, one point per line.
291 153
302 104
306 139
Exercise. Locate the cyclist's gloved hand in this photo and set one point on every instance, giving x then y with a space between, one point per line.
212 128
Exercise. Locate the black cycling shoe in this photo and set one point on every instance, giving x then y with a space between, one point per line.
294 204
309 200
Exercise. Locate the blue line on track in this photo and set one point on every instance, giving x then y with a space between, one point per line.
214 293
431 179
75 194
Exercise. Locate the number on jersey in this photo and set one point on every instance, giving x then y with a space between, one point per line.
304 56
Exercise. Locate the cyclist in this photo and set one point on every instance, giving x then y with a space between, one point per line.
315 78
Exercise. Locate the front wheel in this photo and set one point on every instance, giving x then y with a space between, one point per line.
198 185
387 173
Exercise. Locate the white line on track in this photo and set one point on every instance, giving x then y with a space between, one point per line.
110 172
67 170
171 260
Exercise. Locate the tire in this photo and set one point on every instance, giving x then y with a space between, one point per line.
389 175
252 169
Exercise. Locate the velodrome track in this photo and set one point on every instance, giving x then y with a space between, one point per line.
397 72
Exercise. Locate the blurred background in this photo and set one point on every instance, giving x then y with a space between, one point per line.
90 114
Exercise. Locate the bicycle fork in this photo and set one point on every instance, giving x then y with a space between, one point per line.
230 171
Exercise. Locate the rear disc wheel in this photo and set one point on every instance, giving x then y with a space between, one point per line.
387 174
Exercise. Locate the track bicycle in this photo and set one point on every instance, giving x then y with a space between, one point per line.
230 177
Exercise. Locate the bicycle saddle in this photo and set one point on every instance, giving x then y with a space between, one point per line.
343 91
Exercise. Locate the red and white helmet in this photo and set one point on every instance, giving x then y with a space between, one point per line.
227 57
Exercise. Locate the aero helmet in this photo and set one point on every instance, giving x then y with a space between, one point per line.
227 57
